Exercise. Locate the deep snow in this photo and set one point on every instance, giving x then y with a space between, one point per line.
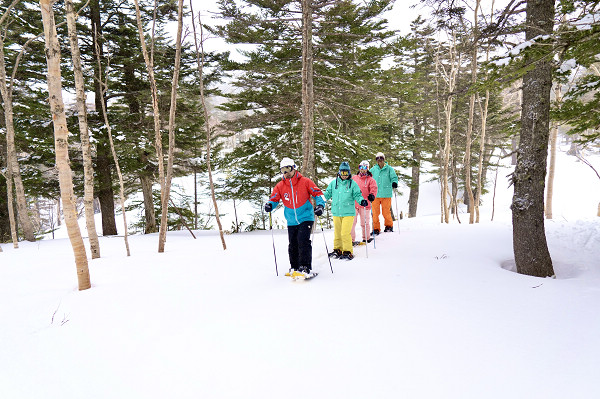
431 313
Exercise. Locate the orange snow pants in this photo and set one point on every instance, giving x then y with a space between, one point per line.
386 206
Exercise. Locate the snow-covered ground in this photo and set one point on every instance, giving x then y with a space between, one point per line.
432 312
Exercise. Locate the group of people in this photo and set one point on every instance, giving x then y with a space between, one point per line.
362 196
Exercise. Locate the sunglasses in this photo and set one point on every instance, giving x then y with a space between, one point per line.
286 169
362 167
379 158
344 173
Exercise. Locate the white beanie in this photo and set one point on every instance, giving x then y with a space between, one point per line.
379 154
287 162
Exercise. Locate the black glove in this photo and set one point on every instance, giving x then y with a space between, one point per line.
394 185
364 203
319 210
268 207
371 197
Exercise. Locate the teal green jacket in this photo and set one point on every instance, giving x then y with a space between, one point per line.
384 177
343 193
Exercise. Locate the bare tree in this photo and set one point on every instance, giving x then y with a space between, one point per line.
12 164
529 237
200 62
156 114
103 90
552 165
470 123
88 169
483 110
449 75
61 144
165 195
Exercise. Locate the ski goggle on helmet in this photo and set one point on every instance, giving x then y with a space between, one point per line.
287 165
364 165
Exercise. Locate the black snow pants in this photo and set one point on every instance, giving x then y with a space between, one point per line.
300 245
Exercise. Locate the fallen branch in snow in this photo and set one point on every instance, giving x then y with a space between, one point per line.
63 321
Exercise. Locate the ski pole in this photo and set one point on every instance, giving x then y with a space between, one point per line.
397 214
367 234
273 239
325 241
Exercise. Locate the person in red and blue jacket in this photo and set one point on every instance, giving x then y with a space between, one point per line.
295 190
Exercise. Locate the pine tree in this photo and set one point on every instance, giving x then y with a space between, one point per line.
529 238
349 42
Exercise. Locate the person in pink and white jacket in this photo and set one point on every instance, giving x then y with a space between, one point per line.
368 188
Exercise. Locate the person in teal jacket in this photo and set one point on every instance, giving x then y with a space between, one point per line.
343 191
387 181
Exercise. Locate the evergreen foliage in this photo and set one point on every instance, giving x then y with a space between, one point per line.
350 42
579 43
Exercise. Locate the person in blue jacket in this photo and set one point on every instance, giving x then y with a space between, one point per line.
295 191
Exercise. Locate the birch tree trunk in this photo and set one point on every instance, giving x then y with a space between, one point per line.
61 144
88 169
529 237
12 163
483 110
11 209
156 115
114 153
308 97
450 79
166 194
200 62
468 188
552 166
8 175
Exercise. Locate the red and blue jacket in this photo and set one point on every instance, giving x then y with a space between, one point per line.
295 194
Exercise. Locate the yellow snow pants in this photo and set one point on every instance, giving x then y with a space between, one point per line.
342 240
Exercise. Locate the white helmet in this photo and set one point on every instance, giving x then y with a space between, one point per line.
365 164
287 162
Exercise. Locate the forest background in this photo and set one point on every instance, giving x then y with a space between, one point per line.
319 81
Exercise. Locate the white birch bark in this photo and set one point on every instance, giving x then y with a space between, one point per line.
200 62
156 115
470 123
12 164
449 75
166 194
552 160
484 113
61 144
11 209
88 168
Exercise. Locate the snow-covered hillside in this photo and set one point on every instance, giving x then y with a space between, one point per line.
432 312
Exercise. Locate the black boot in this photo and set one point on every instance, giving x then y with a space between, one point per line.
348 255
375 232
304 269
388 229
335 254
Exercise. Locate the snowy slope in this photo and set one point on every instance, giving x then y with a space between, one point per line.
431 313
